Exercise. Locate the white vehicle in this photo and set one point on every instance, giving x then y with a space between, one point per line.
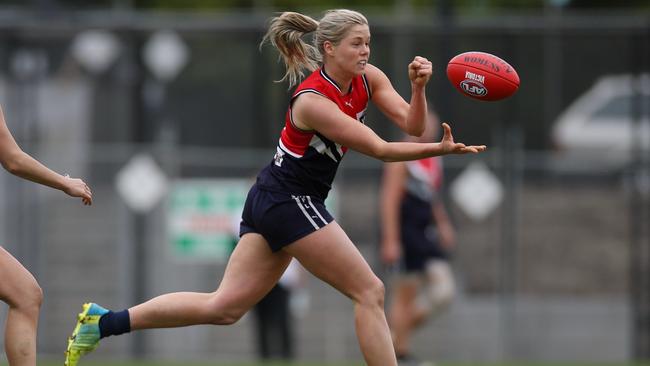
601 124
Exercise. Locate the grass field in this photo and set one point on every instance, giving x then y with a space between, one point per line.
150 363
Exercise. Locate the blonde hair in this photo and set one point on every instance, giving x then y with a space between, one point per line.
286 30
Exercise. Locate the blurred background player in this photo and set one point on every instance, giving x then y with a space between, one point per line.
18 288
275 315
416 237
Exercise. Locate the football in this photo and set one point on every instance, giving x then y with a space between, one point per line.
482 76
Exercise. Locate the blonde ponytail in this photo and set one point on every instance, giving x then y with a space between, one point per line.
285 33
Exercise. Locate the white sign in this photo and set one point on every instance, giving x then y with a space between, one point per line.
477 191
141 183
96 49
165 54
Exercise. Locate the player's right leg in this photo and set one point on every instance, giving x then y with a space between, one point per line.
330 255
21 292
252 270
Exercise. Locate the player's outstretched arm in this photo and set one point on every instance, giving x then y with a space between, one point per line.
312 111
21 164
401 151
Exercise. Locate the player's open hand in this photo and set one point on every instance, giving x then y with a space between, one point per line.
420 71
76 187
451 147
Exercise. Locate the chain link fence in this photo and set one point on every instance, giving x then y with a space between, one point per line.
558 269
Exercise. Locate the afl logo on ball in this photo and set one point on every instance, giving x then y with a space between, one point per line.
473 88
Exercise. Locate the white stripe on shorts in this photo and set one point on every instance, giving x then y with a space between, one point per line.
315 210
304 211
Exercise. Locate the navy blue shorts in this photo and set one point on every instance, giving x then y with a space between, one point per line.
420 242
282 218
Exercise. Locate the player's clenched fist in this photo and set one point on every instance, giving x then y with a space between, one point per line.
420 70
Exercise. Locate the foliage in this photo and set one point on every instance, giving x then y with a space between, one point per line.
388 4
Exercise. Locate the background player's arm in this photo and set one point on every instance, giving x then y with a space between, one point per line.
316 112
392 192
21 164
446 230
409 117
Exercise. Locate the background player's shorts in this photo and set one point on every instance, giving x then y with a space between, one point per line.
282 218
420 242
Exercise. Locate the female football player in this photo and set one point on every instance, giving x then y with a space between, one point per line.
18 288
284 215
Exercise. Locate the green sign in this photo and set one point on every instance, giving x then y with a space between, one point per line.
203 217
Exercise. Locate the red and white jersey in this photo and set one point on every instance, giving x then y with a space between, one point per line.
424 178
306 161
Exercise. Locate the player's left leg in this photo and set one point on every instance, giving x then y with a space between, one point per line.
252 270
19 289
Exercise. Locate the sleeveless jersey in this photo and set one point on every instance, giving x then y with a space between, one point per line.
306 162
424 178
420 241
